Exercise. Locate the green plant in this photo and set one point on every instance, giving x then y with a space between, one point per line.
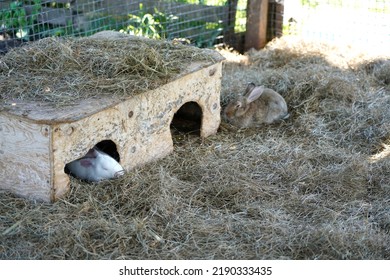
145 26
20 24
15 19
149 25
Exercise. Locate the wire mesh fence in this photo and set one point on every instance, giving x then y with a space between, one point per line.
203 22
363 23
275 19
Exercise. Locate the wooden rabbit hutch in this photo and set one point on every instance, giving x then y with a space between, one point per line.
46 124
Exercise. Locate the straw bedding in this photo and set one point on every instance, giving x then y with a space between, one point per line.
313 187
62 71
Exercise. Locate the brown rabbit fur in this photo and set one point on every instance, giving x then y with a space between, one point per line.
259 105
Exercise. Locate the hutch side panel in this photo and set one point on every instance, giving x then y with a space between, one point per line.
25 161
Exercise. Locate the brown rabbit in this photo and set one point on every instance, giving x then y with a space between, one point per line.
259 105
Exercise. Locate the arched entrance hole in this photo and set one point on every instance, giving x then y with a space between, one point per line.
186 121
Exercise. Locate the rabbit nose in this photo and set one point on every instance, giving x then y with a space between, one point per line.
119 173
229 114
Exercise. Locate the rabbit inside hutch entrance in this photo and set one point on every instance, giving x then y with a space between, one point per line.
101 162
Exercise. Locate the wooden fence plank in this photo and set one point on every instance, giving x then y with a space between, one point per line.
256 27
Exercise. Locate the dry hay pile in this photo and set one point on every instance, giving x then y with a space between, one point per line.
313 187
63 71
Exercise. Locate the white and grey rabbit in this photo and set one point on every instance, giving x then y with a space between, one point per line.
95 166
259 105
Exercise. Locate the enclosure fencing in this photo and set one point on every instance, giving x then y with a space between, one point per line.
363 23
203 23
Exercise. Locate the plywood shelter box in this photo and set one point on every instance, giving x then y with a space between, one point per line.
38 138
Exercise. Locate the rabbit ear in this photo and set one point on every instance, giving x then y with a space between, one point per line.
255 94
249 88
92 153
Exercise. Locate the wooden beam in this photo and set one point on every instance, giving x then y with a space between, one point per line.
256 25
